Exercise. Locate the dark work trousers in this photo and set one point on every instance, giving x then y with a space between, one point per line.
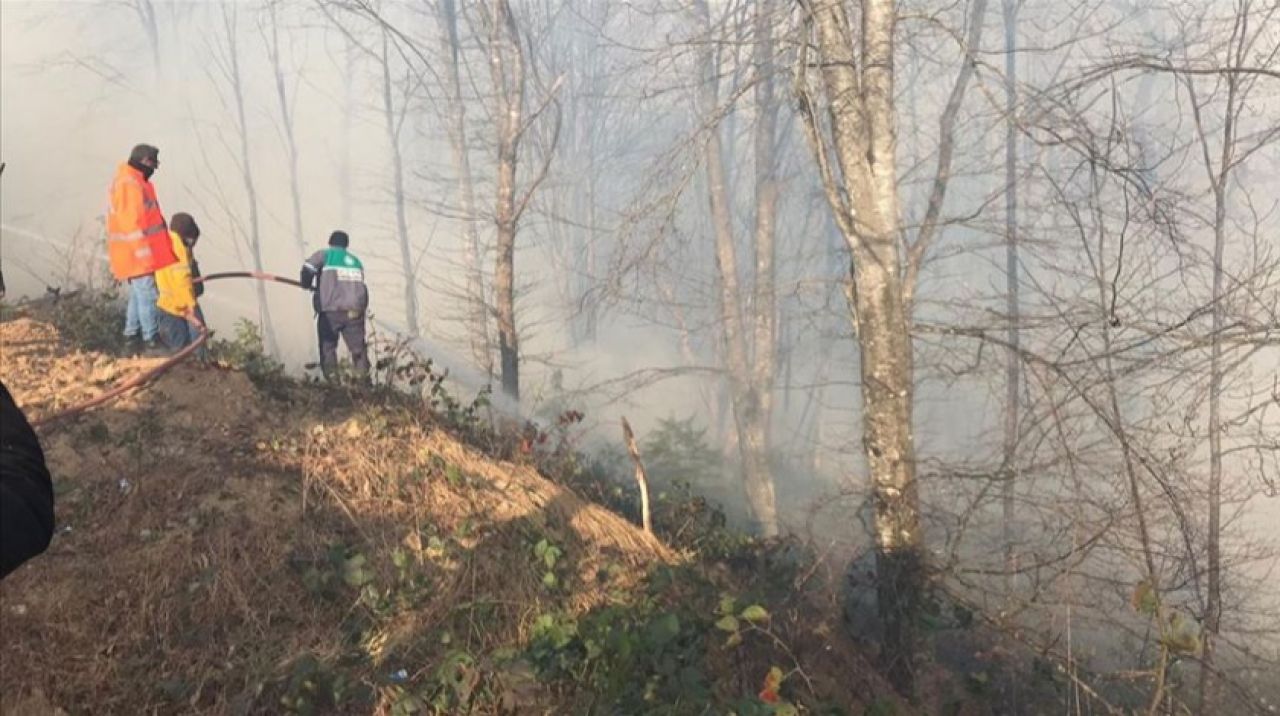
177 332
349 325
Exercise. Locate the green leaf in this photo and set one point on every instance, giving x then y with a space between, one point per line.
729 624
1183 634
354 572
733 640
399 558
664 629
755 614
727 605
1144 599
551 557
549 580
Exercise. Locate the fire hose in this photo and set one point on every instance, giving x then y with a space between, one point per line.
250 274
147 376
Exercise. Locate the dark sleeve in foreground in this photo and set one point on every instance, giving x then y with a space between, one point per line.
26 492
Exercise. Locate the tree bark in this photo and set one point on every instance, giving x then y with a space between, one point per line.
859 92
506 64
255 237
476 313
1013 364
764 305
147 16
748 398
286 124
344 158
642 478
392 123
1220 181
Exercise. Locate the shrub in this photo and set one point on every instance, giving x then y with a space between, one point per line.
245 352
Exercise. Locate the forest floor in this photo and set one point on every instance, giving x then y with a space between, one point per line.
234 542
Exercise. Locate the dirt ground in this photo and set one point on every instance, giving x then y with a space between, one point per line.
186 511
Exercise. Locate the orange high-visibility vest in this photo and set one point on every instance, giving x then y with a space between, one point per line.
137 237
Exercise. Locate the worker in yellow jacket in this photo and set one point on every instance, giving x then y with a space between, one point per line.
180 315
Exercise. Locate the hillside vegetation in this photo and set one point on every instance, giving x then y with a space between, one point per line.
231 541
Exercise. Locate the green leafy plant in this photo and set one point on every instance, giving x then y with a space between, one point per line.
677 452
313 687
547 555
245 352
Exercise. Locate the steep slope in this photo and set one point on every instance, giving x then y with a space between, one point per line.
311 550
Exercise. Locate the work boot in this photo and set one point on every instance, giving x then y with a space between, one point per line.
132 346
154 349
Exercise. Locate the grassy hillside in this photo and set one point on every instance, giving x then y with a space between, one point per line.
231 542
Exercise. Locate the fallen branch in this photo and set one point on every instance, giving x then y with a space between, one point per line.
641 479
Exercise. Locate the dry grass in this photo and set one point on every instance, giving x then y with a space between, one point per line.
188 511
199 522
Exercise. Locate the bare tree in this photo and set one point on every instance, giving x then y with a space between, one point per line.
853 137
507 71
285 100
477 316
228 64
350 55
750 348
1013 364
146 11
864 198
506 65
393 114
1233 150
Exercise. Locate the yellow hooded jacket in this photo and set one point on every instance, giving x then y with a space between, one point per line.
177 292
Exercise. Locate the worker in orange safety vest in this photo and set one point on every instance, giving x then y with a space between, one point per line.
138 244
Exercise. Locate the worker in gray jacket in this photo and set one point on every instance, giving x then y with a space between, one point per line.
340 300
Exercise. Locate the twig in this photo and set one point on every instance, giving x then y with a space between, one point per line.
641 479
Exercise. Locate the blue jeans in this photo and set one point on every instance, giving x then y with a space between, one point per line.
140 316
177 332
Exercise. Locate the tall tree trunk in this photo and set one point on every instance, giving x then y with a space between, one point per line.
750 404
859 92
1013 365
286 124
477 316
348 103
1116 418
591 309
255 237
1221 182
393 124
1213 601
146 10
764 304
506 64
